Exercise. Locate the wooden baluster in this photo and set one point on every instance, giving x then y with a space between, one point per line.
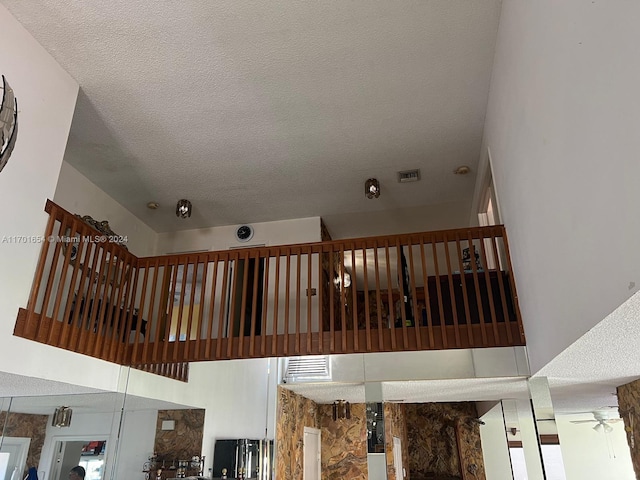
49 287
403 296
474 270
276 294
332 293
87 251
122 324
487 279
67 330
354 300
106 308
379 304
427 299
223 295
35 288
392 321
212 301
122 354
286 304
243 306
443 323
417 315
131 311
141 311
170 301
90 303
365 282
309 326
514 294
192 297
343 302
456 327
265 306
162 309
503 297
183 284
298 295
320 301
232 314
254 304
465 295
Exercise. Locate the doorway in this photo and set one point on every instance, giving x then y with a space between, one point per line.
311 460
89 454
14 450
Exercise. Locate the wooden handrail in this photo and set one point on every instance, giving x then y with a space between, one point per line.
418 291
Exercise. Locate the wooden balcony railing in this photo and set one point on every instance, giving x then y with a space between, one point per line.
422 291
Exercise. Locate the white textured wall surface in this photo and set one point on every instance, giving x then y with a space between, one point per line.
77 194
562 123
46 99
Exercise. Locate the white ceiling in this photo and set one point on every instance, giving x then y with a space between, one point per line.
259 111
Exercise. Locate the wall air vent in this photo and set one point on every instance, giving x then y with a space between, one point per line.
310 368
409 176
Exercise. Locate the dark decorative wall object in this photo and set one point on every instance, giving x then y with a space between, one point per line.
185 440
30 426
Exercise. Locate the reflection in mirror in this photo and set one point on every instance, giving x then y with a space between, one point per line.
224 415
524 448
305 413
375 423
87 437
547 429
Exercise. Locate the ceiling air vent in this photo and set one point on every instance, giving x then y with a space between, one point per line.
409 176
308 369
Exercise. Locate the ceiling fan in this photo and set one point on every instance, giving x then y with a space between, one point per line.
601 420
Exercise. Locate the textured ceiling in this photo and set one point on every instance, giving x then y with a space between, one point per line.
259 111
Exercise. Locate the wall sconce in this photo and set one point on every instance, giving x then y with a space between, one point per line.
372 188
8 122
341 409
183 208
62 417
342 279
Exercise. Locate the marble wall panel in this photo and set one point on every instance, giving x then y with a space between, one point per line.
344 444
395 426
185 440
629 408
30 426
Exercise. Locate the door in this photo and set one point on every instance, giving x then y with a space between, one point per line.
311 448
67 456
397 458
15 450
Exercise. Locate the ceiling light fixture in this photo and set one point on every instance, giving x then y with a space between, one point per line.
62 417
153 205
8 122
342 279
462 170
183 208
372 188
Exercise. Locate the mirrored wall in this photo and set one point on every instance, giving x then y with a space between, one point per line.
418 415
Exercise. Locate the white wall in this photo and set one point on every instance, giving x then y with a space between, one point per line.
590 454
495 450
239 397
136 443
77 194
561 126
46 100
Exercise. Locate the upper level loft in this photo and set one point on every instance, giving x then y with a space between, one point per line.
422 291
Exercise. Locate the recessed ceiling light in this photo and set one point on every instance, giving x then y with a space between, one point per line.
153 205
462 170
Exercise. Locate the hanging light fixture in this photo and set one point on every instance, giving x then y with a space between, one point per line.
183 208
62 417
341 409
8 122
372 188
